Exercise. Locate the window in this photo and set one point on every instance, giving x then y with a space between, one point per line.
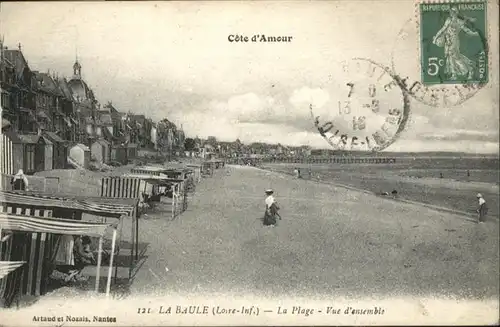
25 123
5 101
30 158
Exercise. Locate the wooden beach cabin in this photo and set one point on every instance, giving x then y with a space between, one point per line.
207 168
196 171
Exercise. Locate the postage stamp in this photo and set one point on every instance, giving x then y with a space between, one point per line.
453 42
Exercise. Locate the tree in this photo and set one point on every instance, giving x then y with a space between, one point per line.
212 140
189 144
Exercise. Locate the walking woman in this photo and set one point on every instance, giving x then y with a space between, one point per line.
271 209
482 209
19 182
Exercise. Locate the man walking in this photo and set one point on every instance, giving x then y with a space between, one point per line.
482 209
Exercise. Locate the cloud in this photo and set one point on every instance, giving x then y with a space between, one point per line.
461 135
306 96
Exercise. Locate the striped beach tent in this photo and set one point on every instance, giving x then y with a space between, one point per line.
35 275
7 267
29 214
177 186
118 187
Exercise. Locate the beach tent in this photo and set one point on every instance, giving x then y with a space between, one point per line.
177 186
117 189
27 219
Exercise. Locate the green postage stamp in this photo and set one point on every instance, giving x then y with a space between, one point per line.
453 42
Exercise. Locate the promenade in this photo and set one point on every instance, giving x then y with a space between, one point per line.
331 242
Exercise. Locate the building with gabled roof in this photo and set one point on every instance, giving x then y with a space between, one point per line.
23 90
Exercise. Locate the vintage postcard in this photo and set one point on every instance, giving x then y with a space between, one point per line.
249 163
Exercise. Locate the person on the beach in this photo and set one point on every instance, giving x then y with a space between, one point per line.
482 209
83 256
19 182
271 209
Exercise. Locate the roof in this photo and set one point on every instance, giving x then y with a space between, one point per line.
54 137
81 146
80 90
94 205
64 87
46 83
16 57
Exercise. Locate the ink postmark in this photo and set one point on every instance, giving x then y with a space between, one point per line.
371 113
453 42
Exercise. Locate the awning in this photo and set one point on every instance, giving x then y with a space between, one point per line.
97 206
33 224
7 267
153 179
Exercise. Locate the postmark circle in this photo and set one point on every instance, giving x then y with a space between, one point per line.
371 111
434 70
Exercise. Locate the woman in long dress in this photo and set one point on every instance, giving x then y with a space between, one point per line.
271 209
457 64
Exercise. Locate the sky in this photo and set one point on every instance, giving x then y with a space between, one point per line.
174 60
